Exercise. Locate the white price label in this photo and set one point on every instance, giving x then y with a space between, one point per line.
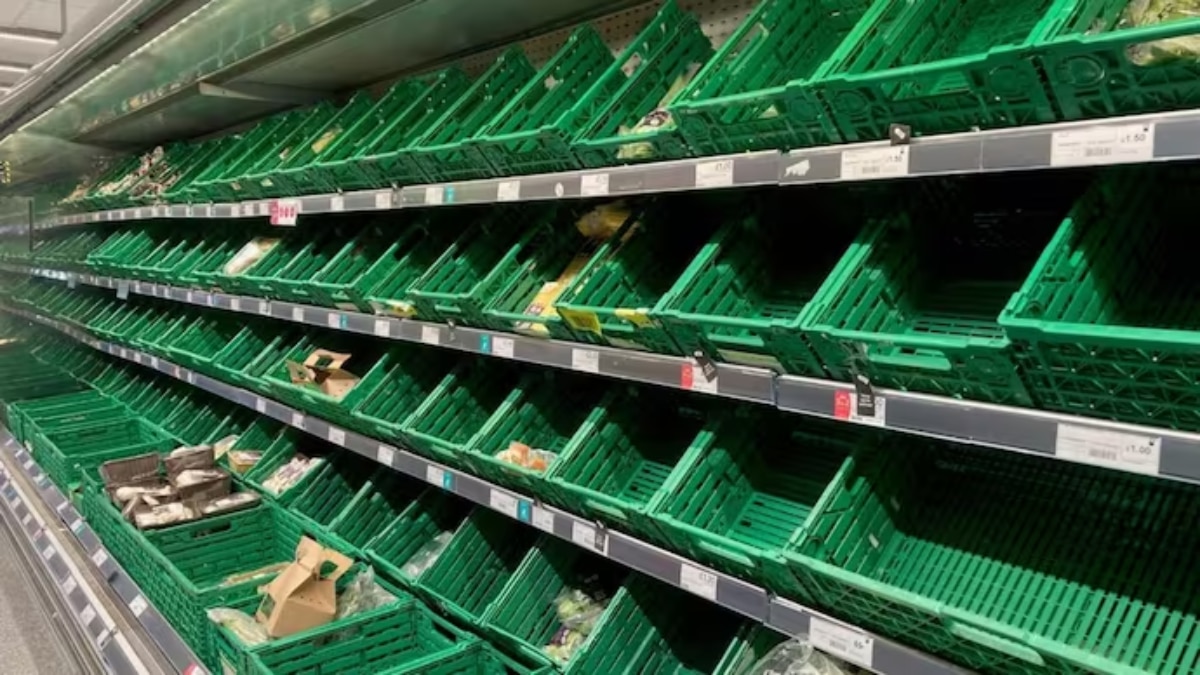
99 558
29 462
284 211
435 476
138 606
503 347
88 615
154 362
695 580
879 419
1109 144
260 405
593 184
586 360
383 328
1113 449
333 320
431 335
542 519
235 304
264 308
385 455
191 297
26 520
76 525
191 377
503 502
697 382
508 191
124 353
873 163
718 173
264 208
584 535
298 420
337 203
383 200
337 436
845 643
69 586
176 372
435 194
298 314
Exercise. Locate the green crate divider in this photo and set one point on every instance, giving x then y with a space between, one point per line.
914 302
416 253
363 262
938 68
257 347
196 346
610 301
651 627
737 502
368 360
743 297
410 376
291 177
544 411
524 617
432 513
617 469
499 243
650 74
322 496
292 279
972 585
240 183
1105 321
282 449
214 152
445 150
752 642
443 425
472 572
753 94
376 506
532 133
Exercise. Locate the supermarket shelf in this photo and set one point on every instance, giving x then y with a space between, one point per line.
842 640
1156 137
80 598
1158 452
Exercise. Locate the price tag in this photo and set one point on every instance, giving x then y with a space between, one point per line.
383 200
335 320
176 372
431 335
210 300
337 203
585 360
701 582
383 328
845 643
502 347
264 308
137 214
298 314
503 502
154 362
122 289
1113 449
191 297
875 163
508 191
138 606
386 456
99 558
69 586
337 436
543 519
265 208
124 354
88 615
298 420
284 211
434 195
435 476
71 281
260 405
593 184
191 377
76 525
1108 144
235 304
27 519
714 174
845 407
691 377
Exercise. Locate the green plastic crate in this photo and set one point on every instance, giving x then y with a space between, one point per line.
544 411
471 573
386 159
471 659
913 304
752 642
445 151
214 151
415 252
66 451
651 73
612 298
524 617
1105 322
257 436
616 470
291 177
280 272
938 67
368 360
737 501
408 378
376 506
197 345
240 180
1008 563
442 426
244 148
532 133
259 347
324 494
752 95
743 297
221 244
434 512
362 263
282 450
499 244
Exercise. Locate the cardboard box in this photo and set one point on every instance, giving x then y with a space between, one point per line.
323 369
304 595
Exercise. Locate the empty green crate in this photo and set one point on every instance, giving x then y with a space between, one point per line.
221 244
612 298
368 360
328 490
913 304
65 451
499 244
291 279
433 513
1105 322
524 618
532 132
362 263
651 73
414 253
289 177
256 349
444 151
446 421
753 94
938 67
409 376
544 411
206 337
616 470
1008 563
376 506
737 501
282 450
478 658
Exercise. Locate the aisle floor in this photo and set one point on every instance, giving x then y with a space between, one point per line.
28 643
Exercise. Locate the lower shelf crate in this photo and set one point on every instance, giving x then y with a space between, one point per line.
407 547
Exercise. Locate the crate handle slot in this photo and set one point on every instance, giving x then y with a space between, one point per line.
982 636
210 531
732 556
924 361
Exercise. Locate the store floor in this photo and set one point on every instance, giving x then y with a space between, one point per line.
28 644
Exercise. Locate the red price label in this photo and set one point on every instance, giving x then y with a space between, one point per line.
841 405
285 211
686 376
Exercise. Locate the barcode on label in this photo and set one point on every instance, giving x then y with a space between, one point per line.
1114 449
1097 152
845 643
698 581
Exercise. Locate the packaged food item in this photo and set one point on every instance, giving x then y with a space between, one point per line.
522 455
242 577
322 369
233 502
304 595
424 558
286 476
578 611
249 254
659 118
243 626
222 447
795 657
163 515
191 477
1140 13
362 594
241 461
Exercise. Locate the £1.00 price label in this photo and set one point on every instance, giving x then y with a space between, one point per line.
1137 453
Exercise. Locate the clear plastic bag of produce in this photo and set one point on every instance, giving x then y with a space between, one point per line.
362 595
794 657
424 558
249 631
1139 13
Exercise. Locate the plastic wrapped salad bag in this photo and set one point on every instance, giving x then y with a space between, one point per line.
794 657
1140 13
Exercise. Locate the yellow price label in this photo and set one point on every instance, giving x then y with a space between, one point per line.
638 317
581 319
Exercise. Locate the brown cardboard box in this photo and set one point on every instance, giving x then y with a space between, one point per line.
301 597
323 369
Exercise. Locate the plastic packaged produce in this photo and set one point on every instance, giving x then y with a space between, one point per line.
424 558
1140 13
233 502
241 624
286 476
522 455
249 254
578 611
190 477
794 657
163 515
659 118
242 577
241 461
363 594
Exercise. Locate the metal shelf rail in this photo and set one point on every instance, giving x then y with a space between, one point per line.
1156 137
85 608
845 641
1146 450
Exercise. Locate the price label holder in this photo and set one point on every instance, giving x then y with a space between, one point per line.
699 581
714 174
585 360
503 502
590 537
